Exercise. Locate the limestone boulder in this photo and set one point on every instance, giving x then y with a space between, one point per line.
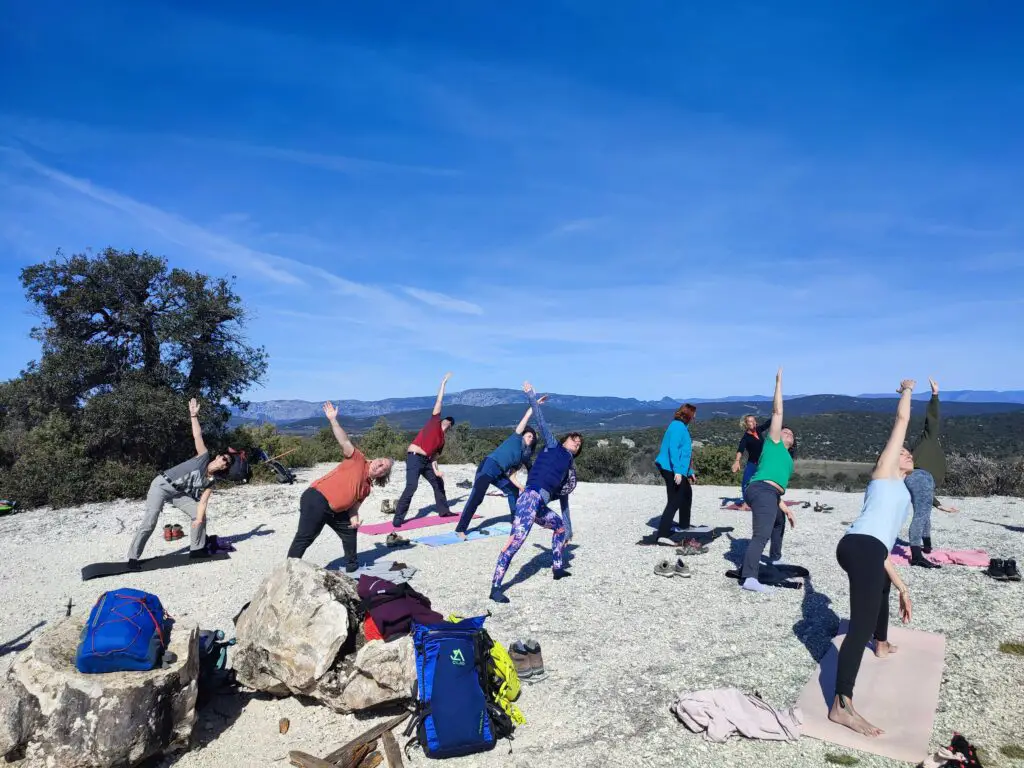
60 717
300 634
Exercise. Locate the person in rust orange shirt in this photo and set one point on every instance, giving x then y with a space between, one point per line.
421 460
334 499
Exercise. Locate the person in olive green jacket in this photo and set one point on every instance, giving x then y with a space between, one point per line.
928 475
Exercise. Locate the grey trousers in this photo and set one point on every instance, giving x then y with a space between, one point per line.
161 492
921 485
769 522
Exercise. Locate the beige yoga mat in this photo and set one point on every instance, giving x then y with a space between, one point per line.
898 694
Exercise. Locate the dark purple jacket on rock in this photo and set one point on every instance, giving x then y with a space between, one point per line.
394 607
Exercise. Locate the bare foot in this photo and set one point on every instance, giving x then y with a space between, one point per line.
883 648
461 535
745 507
848 717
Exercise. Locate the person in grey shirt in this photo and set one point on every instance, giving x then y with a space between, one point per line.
188 486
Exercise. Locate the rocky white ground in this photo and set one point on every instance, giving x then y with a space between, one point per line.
619 641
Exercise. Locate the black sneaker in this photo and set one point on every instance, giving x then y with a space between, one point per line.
1010 571
497 595
916 558
133 565
996 570
351 567
927 541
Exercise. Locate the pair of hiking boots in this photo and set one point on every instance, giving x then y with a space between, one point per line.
173 532
528 660
1003 570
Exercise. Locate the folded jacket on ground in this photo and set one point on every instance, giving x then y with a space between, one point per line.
973 557
724 712
394 607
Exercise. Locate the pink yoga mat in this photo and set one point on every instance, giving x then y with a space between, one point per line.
977 558
899 695
375 529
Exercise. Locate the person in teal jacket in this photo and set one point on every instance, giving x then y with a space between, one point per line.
675 463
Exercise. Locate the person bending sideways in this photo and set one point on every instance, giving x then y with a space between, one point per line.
751 444
421 460
928 475
546 481
334 499
863 552
498 468
764 495
188 486
675 464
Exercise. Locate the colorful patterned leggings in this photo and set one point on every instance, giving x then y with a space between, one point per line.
530 509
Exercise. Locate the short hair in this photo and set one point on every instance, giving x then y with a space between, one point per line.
449 419
687 409
571 435
381 481
743 421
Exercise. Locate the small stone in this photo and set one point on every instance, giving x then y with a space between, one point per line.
283 725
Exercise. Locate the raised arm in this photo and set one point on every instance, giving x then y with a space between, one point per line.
347 449
440 395
535 405
197 430
889 461
931 419
775 427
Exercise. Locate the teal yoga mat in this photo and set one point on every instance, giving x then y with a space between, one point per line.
443 539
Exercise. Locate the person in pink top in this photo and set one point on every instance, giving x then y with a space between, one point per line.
421 460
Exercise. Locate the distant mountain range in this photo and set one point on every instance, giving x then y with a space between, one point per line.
504 407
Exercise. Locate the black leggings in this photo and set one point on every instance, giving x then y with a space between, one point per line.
314 514
680 499
863 559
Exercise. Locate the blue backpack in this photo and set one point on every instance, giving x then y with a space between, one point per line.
455 715
125 632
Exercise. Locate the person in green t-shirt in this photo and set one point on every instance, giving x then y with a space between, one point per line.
764 495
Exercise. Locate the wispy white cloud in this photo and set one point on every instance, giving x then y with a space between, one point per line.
443 301
575 225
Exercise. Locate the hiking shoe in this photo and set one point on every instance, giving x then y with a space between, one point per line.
681 569
521 659
536 659
996 570
351 567
1010 571
691 547
387 507
464 484
168 533
394 540
665 568
177 532
497 595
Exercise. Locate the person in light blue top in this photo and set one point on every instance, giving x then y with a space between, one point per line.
863 552
675 463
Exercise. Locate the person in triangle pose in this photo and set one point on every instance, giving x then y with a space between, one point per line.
928 475
334 499
863 552
421 461
497 469
550 477
188 486
764 495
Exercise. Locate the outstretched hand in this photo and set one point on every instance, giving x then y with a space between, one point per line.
542 399
905 385
193 407
935 386
446 377
778 374
330 411
527 386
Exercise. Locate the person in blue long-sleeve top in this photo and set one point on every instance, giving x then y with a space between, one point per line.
497 469
675 463
552 476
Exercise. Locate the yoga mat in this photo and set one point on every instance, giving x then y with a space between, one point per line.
100 570
375 529
740 506
443 539
898 694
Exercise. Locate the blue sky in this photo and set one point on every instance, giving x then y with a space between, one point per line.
645 198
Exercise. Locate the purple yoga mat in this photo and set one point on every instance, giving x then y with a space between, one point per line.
375 529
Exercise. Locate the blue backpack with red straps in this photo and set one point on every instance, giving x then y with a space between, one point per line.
126 632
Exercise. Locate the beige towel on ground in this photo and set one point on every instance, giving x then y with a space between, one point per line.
722 712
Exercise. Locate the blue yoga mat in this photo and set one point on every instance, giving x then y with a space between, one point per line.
443 539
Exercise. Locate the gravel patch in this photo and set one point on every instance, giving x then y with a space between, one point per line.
619 642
